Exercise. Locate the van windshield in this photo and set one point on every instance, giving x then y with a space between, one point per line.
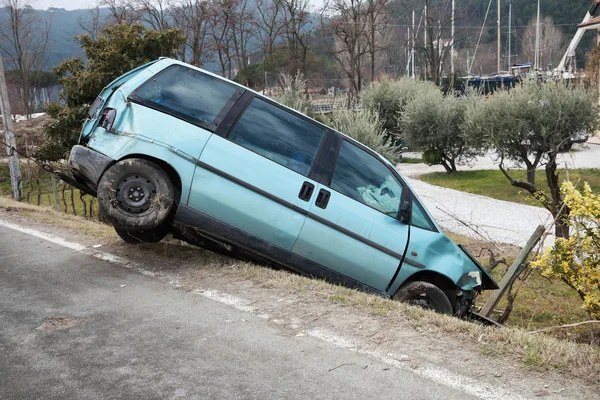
186 93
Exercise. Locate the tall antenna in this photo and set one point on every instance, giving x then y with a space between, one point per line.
537 39
499 40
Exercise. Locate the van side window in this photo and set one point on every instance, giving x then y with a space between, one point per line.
185 93
278 135
366 179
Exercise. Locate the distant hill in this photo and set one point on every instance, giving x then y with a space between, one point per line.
566 14
64 26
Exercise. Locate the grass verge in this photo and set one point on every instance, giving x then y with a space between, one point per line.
535 351
492 183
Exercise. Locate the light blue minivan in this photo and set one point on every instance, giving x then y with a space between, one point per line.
170 148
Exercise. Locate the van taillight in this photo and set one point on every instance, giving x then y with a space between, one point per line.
108 118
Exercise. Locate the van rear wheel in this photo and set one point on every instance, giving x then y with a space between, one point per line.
136 195
425 295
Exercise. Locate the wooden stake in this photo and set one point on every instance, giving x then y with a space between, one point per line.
513 272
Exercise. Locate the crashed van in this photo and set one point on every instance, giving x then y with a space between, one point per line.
169 148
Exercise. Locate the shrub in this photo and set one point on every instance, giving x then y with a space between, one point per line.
366 127
294 93
433 123
576 260
388 98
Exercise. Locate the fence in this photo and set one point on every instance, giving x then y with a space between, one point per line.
325 105
45 189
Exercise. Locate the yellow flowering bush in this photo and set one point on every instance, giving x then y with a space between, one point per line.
576 260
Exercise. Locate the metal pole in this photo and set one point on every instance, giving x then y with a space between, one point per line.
452 38
413 46
9 137
509 33
537 39
499 40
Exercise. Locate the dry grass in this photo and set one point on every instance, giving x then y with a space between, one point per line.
50 216
536 351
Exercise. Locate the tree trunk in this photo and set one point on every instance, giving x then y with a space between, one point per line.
531 175
560 213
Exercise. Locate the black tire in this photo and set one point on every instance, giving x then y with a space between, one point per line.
136 237
136 195
425 295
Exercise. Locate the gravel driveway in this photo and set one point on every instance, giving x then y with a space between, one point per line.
482 217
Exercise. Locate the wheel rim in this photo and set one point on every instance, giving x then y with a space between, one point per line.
135 194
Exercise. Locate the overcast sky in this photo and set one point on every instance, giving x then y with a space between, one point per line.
75 4
68 4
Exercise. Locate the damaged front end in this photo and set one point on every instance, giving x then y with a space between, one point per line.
472 284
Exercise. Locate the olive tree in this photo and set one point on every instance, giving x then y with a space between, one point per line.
530 125
366 127
388 98
433 123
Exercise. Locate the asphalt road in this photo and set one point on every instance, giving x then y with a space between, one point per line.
134 337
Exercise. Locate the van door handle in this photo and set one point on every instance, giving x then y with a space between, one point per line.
323 198
306 191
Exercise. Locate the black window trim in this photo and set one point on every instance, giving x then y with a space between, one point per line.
237 112
212 127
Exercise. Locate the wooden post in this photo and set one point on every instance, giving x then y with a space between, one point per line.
55 190
9 137
513 272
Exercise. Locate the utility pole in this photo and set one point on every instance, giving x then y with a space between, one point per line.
499 41
537 39
452 48
9 138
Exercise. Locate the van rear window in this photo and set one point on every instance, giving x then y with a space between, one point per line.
186 93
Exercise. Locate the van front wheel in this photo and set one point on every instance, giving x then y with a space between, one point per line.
136 195
425 295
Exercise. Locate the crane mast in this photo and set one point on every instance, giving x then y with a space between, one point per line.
570 53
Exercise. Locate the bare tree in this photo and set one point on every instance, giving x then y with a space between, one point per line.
193 18
296 14
439 41
552 42
23 42
219 30
91 22
349 26
154 12
269 23
376 31
242 30
121 11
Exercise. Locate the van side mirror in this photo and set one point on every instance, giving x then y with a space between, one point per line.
405 212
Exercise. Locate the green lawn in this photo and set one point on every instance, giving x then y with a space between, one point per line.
409 160
493 183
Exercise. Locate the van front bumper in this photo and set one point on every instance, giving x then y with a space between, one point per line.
87 166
